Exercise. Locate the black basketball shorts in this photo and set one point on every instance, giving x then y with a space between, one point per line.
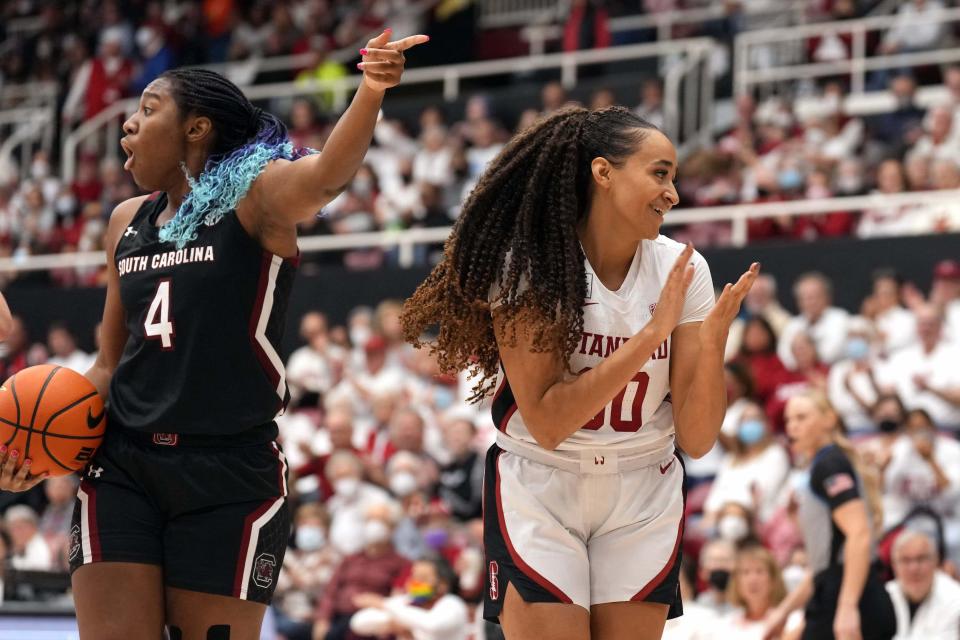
214 517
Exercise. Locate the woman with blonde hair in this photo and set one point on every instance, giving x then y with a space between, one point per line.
843 592
756 588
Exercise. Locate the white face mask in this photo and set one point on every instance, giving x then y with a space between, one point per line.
375 532
346 487
403 483
733 528
792 576
359 335
310 538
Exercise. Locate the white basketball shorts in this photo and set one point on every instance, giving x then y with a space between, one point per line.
582 538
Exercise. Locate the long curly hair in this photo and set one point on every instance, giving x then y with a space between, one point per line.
515 245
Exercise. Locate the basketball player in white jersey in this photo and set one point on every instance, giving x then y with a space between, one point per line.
603 348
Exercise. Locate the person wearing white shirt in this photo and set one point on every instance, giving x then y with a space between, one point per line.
927 376
350 502
925 599
433 164
941 140
63 349
753 471
28 550
896 326
916 27
945 293
314 368
826 325
756 588
924 469
851 386
427 611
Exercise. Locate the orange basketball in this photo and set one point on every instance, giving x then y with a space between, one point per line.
53 416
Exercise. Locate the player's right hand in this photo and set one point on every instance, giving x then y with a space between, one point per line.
674 293
15 476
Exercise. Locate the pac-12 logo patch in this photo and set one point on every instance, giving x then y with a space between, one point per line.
74 542
263 568
494 580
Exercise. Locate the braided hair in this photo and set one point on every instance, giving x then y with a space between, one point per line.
517 236
246 138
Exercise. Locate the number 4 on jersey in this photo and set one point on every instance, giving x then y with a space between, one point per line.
157 324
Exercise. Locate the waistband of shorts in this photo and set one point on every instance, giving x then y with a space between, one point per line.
628 459
260 434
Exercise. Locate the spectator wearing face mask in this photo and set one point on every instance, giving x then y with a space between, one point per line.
888 416
851 385
924 469
735 522
925 599
307 568
428 608
752 471
717 560
406 477
352 497
377 568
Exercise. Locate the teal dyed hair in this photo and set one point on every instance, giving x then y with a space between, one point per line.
246 139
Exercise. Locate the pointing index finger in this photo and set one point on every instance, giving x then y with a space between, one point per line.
406 43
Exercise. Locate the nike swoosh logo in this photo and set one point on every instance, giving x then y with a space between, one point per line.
93 421
663 469
587 304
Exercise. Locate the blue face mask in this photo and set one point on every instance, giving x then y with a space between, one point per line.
857 348
751 432
790 179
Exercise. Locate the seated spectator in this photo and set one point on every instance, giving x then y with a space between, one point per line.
758 351
944 216
945 295
311 476
924 469
926 375
916 28
826 325
461 481
851 386
887 220
308 567
740 392
54 523
762 301
28 550
925 599
64 351
352 497
896 327
810 373
651 102
752 471
941 139
375 568
316 367
717 561
432 163
888 418
429 608
756 587
101 81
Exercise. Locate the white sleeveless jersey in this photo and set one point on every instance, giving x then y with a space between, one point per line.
640 417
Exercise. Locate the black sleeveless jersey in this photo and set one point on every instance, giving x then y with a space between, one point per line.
205 326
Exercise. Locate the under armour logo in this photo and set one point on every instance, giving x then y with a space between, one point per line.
598 460
94 472
129 232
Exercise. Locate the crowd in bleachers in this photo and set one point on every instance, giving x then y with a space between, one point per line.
386 463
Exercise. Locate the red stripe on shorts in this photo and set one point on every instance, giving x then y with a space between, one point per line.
653 584
92 528
244 542
517 560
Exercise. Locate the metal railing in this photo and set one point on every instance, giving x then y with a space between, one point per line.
513 13
406 242
787 50
782 12
103 130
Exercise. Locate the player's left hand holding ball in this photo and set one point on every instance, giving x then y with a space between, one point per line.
383 61
713 331
14 476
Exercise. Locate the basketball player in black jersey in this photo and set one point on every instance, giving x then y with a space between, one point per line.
181 517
